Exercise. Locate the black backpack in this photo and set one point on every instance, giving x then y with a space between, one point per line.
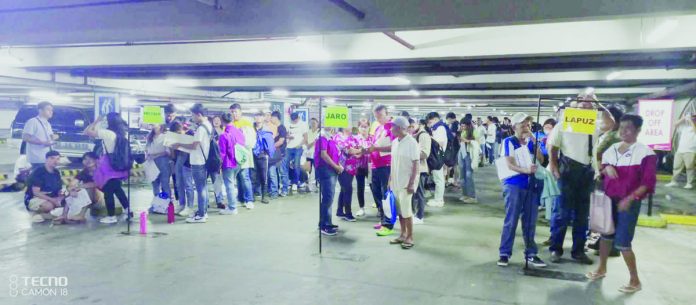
214 162
120 158
436 159
451 152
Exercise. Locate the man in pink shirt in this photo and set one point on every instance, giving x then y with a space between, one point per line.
230 168
380 158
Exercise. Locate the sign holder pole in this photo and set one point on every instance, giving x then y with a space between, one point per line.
128 218
530 195
319 180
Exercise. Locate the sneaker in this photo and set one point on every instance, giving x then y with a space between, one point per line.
384 231
249 205
340 215
294 187
417 221
470 200
583 259
349 218
221 206
229 212
671 184
109 220
688 186
125 216
265 200
377 226
196 219
536 261
463 198
185 212
283 194
37 218
555 257
503 261
360 213
328 231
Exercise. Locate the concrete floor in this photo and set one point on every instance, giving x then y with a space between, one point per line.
270 256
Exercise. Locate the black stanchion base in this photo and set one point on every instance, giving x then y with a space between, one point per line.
342 256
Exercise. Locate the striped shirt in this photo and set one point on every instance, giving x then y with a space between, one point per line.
636 167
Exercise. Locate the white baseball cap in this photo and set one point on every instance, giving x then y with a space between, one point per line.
519 118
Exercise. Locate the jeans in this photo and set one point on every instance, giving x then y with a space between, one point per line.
379 185
246 193
491 152
519 204
200 179
345 197
439 179
573 204
111 188
161 184
625 223
261 166
360 178
293 155
466 174
418 199
327 184
184 183
275 173
229 176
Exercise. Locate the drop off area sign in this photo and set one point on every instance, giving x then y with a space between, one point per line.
657 123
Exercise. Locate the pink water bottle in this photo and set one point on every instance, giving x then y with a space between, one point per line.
143 223
170 213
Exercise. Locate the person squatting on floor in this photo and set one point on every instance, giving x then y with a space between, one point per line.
521 192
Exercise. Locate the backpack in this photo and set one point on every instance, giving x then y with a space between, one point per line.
214 162
452 149
264 143
120 159
436 159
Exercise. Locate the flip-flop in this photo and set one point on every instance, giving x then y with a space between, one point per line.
630 289
407 246
396 241
593 276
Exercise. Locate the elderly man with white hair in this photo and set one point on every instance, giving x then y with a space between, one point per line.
403 178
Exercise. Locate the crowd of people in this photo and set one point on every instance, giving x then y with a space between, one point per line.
410 159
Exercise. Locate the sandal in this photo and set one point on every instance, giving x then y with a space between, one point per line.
407 246
593 276
630 289
397 241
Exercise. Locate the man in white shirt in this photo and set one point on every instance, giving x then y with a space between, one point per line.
576 180
403 178
480 135
297 135
198 156
685 157
491 144
39 135
439 134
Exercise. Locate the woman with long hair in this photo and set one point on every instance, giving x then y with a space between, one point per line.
468 151
184 176
361 134
159 154
106 178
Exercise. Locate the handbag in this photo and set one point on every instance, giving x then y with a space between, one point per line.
601 217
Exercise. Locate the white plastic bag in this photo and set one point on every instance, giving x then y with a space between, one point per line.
151 170
601 220
159 205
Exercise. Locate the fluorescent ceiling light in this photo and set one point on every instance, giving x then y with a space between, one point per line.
613 75
50 96
362 113
183 106
280 92
662 30
589 90
182 82
330 100
9 60
469 107
402 80
366 104
415 108
441 101
414 92
458 104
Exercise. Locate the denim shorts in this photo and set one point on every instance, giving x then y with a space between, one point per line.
624 224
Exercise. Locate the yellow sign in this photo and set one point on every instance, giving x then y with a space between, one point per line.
153 115
579 120
336 116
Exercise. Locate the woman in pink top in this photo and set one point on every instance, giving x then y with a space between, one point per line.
362 137
629 171
350 149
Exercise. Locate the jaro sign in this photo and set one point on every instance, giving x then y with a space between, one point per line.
579 120
336 116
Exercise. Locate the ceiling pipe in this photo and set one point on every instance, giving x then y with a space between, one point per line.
76 5
398 39
360 15
680 90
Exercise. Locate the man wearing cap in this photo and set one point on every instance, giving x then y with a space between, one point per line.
520 192
44 191
575 176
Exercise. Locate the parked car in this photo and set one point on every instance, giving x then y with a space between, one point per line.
68 122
